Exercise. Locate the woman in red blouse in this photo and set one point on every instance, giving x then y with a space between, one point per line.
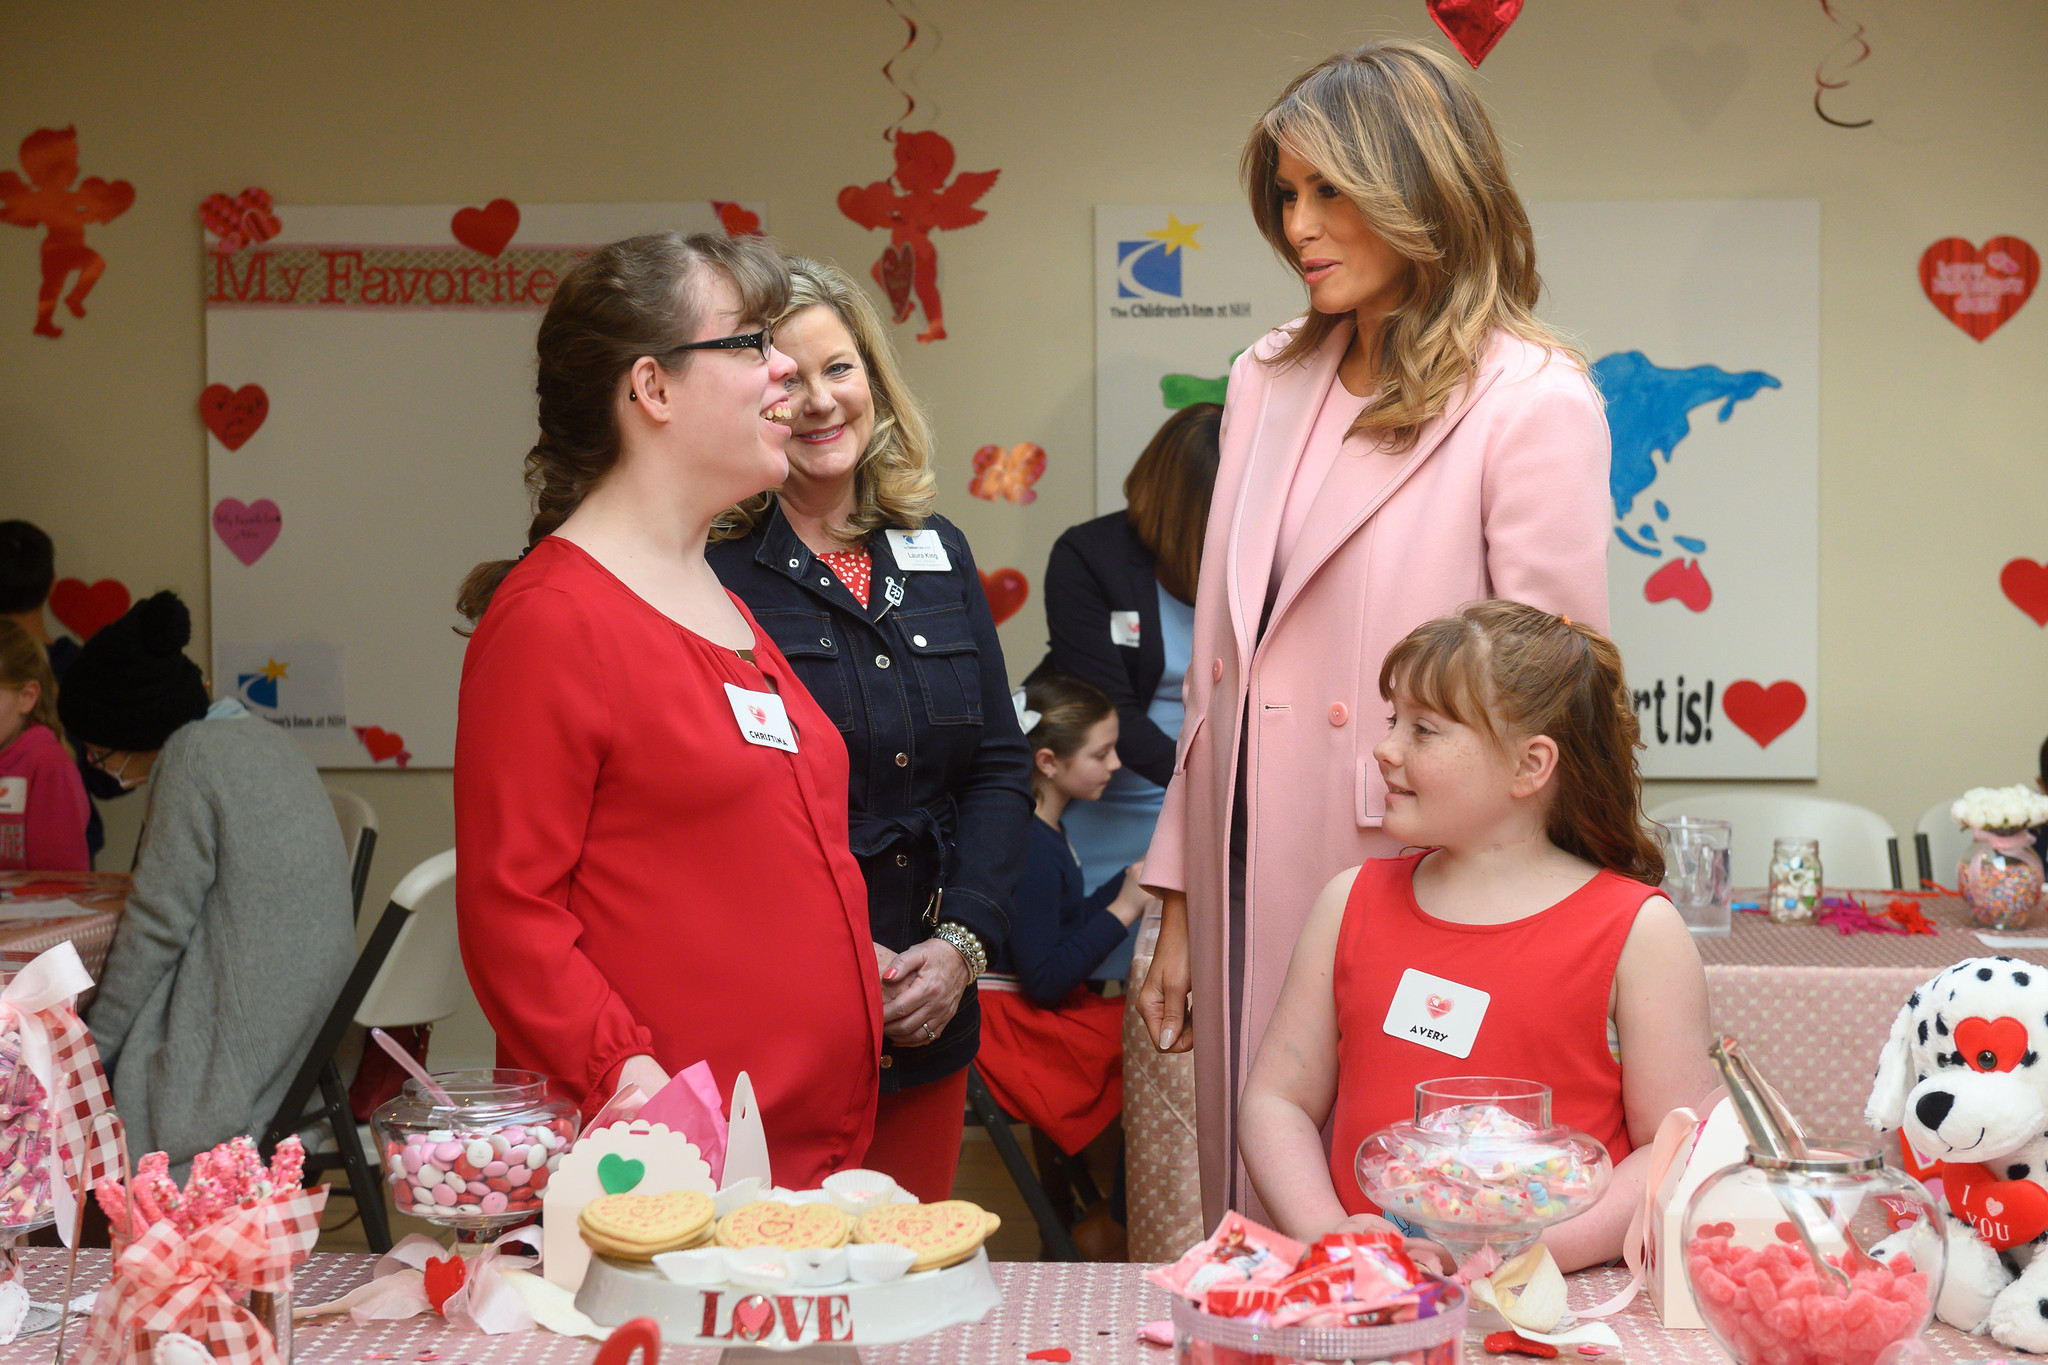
650 811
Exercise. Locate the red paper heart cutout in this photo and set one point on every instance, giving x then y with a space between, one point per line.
1006 590
1978 288
84 608
752 1317
1474 26
248 530
737 219
2005 1213
233 415
487 229
444 1276
383 744
1437 1006
2005 1039
2026 586
1682 579
242 221
1764 713
636 1334
893 272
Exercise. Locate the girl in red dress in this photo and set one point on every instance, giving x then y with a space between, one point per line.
650 810
1529 930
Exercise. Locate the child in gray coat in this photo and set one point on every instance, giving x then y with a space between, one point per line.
238 932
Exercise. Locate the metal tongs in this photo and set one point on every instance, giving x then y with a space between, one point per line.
1773 1133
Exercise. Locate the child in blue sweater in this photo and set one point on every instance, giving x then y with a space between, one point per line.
1051 1047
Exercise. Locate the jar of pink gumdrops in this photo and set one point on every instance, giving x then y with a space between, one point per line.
1833 1258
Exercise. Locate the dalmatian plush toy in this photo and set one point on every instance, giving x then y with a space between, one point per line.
1963 1074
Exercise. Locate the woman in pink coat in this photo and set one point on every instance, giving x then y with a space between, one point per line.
1416 441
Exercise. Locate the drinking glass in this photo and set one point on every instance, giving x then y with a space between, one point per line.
1696 862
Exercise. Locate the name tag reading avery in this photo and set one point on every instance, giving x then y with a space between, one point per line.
762 719
1123 629
916 550
1436 1013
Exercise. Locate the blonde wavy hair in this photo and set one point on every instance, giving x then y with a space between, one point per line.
894 484
1398 129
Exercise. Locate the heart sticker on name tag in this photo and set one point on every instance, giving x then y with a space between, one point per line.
1123 629
1436 1013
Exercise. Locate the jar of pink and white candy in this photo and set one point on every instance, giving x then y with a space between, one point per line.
25 1127
477 1156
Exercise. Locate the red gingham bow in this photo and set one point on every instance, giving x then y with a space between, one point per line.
58 1048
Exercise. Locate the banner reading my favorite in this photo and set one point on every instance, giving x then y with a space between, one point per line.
452 276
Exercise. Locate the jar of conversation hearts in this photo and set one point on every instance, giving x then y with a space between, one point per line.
473 1150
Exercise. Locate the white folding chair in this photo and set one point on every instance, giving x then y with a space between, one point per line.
1857 846
1939 843
358 820
408 972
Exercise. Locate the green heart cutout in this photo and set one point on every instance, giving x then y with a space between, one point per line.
618 1174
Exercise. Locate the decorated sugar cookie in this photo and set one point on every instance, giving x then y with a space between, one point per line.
637 1227
771 1223
941 1234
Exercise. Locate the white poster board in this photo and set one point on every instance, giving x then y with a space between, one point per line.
1180 289
1702 321
382 457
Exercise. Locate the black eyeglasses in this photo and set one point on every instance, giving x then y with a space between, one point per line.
761 341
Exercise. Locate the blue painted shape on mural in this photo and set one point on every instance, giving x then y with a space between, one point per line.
1651 551
1648 414
1690 544
1663 512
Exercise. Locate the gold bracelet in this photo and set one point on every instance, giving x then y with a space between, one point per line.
967 945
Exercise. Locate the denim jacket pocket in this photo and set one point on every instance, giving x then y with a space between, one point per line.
810 640
947 662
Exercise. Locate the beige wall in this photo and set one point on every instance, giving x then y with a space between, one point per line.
1932 468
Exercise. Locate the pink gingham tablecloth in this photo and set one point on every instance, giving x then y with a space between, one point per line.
1094 1311
101 895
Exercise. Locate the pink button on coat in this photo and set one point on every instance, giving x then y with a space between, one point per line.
1505 495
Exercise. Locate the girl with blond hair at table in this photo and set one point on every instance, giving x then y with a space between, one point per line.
1415 440
1532 909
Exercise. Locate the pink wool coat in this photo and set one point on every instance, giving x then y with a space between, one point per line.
1504 495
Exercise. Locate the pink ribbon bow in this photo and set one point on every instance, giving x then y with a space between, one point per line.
167 1282
58 1049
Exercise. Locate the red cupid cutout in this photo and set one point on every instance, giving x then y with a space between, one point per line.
913 204
48 201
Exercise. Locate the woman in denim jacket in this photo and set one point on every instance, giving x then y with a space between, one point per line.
876 602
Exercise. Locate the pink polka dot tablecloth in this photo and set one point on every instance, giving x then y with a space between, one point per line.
1092 1311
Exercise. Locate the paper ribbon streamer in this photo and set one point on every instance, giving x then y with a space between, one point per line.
1846 915
689 1104
487 1302
58 1049
165 1281
910 41
1820 81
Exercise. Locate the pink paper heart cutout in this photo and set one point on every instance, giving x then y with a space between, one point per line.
247 529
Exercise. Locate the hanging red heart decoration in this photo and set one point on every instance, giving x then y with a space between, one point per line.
2026 586
1006 590
1979 288
1474 26
893 271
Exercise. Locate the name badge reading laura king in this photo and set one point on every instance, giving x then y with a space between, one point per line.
761 718
1436 1013
920 549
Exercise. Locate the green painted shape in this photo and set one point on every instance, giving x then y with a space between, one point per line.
618 1174
1185 390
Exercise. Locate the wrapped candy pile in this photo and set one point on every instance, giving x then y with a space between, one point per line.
1477 1166
1768 1305
1345 1279
24 1142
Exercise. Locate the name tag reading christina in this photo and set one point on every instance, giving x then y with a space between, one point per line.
915 550
761 718
1123 629
1436 1013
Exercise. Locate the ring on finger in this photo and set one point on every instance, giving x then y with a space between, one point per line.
929 1035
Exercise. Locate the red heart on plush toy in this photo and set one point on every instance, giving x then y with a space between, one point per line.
2006 1213
2004 1040
444 1277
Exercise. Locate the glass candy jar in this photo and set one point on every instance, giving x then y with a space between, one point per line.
477 1160
1751 1264
2000 879
1795 880
1482 1165
25 1137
